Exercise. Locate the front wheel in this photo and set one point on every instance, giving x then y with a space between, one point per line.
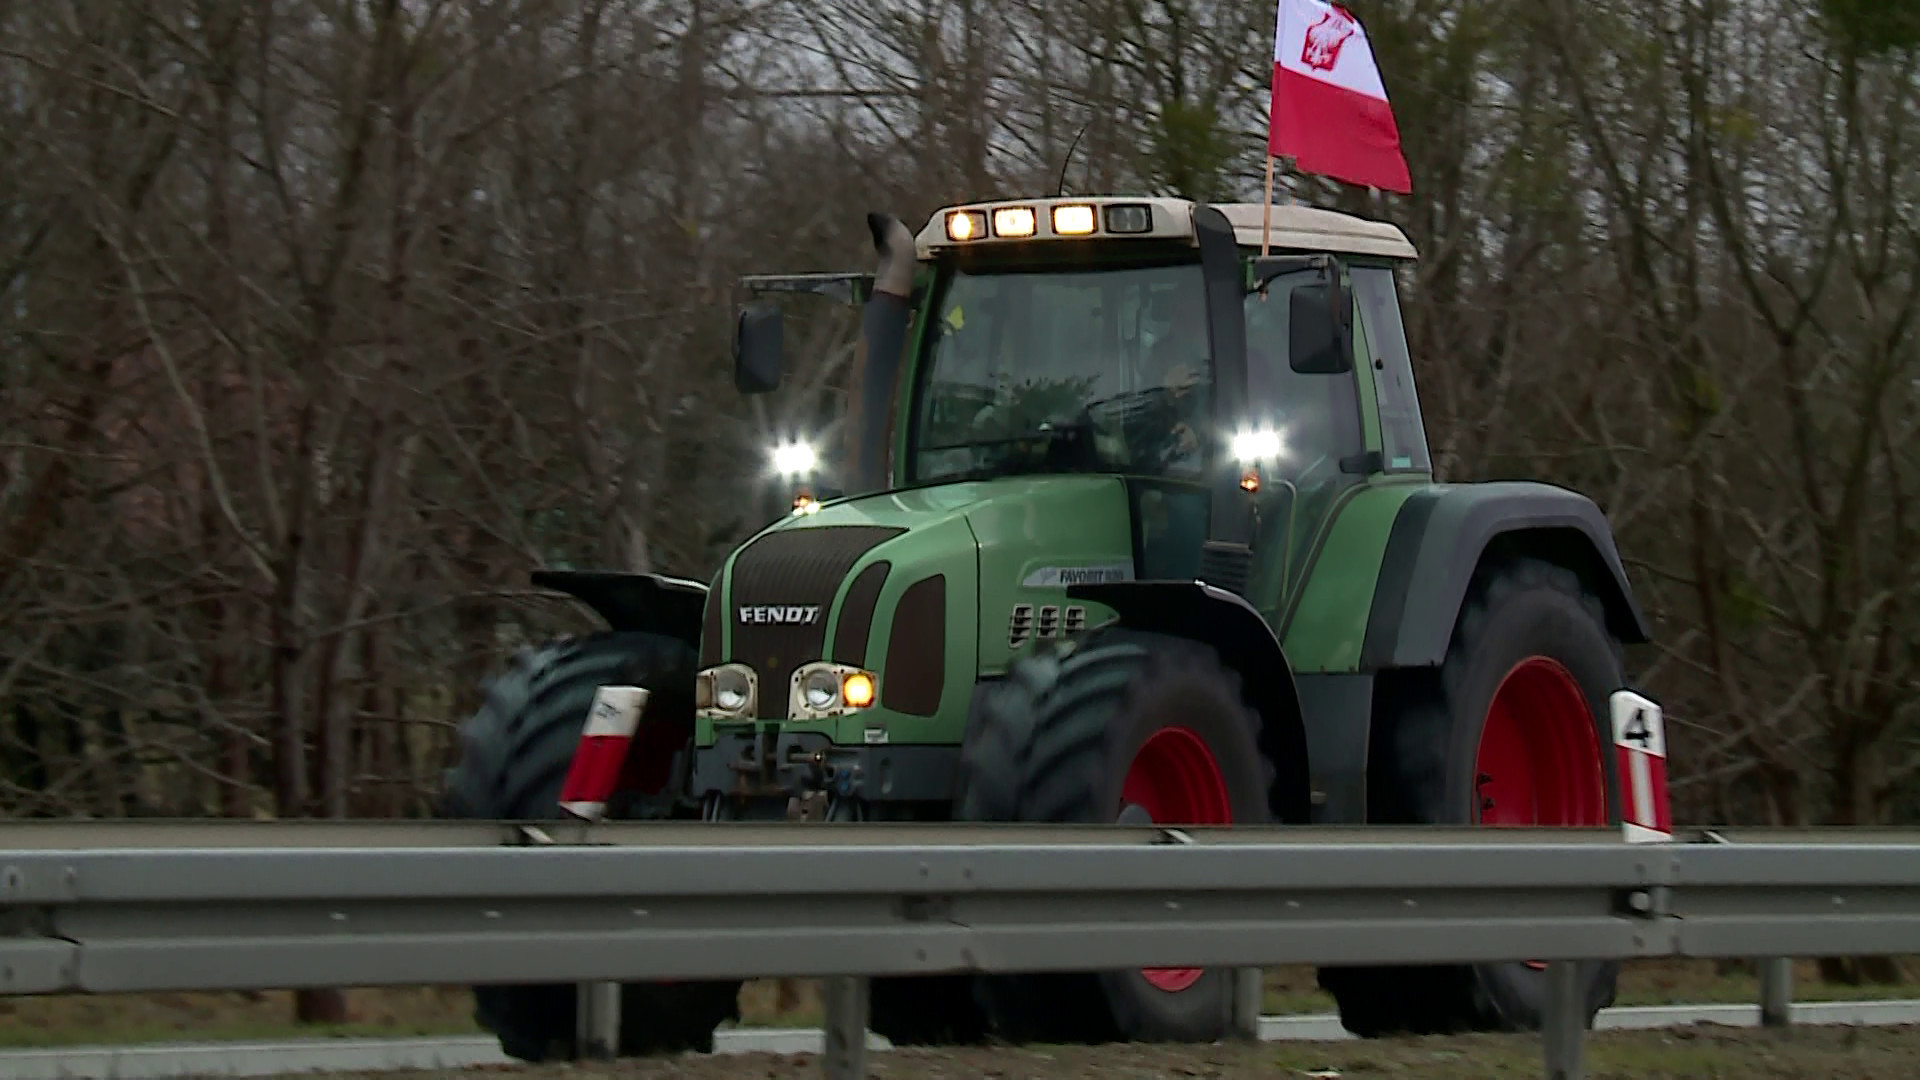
1119 726
1508 733
514 756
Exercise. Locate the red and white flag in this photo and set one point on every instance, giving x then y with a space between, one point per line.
1330 111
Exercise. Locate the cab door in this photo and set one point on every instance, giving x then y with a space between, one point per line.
1318 419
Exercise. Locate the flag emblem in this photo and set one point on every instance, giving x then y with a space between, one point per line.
1324 39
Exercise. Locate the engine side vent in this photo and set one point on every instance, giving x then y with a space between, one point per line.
1226 566
1050 621
1020 626
1076 619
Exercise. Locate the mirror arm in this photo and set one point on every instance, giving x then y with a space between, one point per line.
1270 268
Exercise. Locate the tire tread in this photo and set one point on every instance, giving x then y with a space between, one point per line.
513 756
1451 999
1037 751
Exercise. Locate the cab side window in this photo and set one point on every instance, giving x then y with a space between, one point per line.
1403 436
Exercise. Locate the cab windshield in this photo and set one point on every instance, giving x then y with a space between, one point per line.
1099 370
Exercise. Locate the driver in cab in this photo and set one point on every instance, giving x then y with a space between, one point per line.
1178 362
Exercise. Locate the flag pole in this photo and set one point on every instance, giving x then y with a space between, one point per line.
1266 219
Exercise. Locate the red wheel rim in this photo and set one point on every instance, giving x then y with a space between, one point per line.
1175 780
1539 762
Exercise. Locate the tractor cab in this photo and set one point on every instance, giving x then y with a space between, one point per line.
1204 353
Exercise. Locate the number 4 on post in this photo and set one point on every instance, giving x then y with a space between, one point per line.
1640 752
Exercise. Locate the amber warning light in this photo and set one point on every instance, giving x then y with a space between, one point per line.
858 690
1073 220
965 225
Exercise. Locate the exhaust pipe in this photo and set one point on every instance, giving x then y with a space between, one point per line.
894 244
878 359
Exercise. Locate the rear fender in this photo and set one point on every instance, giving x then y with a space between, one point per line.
643 603
1199 612
1443 535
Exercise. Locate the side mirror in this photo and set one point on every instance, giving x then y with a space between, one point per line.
758 344
1317 337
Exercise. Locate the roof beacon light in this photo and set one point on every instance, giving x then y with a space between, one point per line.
1129 218
1073 220
1013 221
964 225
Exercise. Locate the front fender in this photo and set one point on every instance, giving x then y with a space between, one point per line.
1199 612
1438 540
645 603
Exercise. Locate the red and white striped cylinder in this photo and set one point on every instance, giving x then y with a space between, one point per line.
602 752
1640 751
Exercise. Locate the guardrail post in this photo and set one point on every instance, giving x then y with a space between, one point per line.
1248 994
1776 991
846 1028
1564 1027
597 1021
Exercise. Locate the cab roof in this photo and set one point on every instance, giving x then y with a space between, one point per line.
1293 227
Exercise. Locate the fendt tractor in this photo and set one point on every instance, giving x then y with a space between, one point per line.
1135 522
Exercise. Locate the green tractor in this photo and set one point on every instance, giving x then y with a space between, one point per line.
1138 524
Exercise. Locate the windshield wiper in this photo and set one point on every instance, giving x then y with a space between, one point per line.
1069 448
985 444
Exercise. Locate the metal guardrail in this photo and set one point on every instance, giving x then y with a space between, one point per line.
123 907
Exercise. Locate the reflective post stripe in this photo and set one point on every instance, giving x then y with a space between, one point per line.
602 752
1640 751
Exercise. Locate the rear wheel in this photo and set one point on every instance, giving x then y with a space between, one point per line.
926 1010
1506 734
514 756
1120 726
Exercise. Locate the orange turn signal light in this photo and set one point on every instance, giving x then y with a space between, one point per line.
857 690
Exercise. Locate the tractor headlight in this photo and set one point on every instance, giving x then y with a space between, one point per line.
728 692
824 689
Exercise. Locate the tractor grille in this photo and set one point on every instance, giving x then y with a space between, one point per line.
917 649
856 615
711 626
782 574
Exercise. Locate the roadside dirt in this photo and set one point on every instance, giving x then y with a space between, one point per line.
400 1011
1701 1053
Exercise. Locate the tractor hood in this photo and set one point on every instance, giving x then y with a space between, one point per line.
919 507
919 585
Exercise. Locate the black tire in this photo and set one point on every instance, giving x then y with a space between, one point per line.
1053 743
931 1010
514 755
1428 732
